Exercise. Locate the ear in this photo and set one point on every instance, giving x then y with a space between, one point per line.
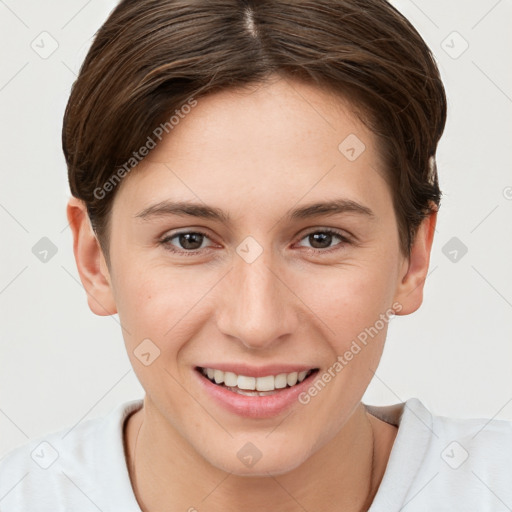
90 261
415 268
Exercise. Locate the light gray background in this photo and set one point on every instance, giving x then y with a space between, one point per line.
60 364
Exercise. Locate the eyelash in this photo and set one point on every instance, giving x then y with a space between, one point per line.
193 252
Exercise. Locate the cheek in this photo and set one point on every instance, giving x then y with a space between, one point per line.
352 304
159 302
350 298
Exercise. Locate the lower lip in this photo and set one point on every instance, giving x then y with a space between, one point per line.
255 406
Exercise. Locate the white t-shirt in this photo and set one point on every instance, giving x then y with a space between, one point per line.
436 464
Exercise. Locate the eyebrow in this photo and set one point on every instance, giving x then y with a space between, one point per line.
185 208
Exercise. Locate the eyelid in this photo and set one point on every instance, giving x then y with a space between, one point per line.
325 229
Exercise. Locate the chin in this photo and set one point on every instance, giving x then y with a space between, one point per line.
249 460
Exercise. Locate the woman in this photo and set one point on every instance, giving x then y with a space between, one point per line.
214 148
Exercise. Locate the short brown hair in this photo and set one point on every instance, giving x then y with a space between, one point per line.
151 56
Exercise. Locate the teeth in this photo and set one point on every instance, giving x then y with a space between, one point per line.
230 379
265 383
255 385
244 382
302 376
280 381
291 379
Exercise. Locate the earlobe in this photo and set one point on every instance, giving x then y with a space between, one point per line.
90 260
415 269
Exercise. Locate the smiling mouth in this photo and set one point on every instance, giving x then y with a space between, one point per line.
255 386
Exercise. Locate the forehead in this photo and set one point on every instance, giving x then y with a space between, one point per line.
261 148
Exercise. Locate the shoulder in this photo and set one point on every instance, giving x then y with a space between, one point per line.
472 457
472 444
61 470
445 463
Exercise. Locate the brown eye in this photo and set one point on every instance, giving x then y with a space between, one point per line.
185 241
190 240
322 240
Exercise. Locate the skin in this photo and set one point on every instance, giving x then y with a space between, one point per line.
255 154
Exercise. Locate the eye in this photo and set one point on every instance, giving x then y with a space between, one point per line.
186 242
321 240
190 243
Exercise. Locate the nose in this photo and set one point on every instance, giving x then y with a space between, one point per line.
257 305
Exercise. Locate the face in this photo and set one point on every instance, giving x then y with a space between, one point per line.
257 242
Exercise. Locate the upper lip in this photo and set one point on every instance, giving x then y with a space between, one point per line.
258 371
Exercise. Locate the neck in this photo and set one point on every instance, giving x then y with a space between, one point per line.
343 474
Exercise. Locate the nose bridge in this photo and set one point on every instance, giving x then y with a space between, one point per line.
257 307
